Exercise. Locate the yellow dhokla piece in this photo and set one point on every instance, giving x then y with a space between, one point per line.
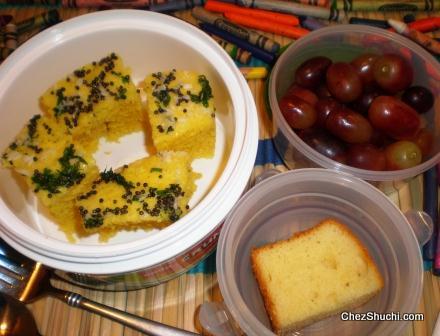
39 141
96 100
316 273
53 167
148 193
181 112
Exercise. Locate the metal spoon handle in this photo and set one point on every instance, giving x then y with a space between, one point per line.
149 327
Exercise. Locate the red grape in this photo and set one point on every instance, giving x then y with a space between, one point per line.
419 98
402 154
324 143
323 92
364 67
324 107
393 117
304 94
312 72
362 104
392 73
349 126
298 113
343 82
366 157
424 139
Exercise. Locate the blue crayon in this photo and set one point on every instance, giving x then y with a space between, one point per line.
175 5
408 18
430 206
310 23
370 22
259 53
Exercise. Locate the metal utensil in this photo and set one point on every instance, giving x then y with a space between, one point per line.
27 280
15 318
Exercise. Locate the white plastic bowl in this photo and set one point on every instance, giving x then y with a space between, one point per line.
147 42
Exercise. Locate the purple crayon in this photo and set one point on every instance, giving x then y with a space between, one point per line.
5 19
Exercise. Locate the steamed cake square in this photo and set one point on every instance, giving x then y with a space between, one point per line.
53 167
181 112
96 100
37 142
148 193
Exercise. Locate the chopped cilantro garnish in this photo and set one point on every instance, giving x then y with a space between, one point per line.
122 93
163 96
69 174
111 176
205 93
155 170
94 221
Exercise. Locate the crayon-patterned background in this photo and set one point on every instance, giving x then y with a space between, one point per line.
177 301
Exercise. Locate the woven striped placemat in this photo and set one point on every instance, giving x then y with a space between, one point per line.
177 301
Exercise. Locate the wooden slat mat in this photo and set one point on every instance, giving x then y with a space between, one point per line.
177 301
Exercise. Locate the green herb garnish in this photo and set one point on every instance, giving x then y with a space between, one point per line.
155 170
69 174
205 93
163 96
125 79
58 109
122 93
94 221
110 176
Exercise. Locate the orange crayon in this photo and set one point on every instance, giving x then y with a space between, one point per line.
425 41
267 26
223 7
424 25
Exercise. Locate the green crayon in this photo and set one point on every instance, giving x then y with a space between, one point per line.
40 21
387 6
235 52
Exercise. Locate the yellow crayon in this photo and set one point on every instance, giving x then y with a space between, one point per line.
254 72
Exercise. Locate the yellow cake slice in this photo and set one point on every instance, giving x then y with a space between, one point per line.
317 273
53 167
181 112
96 100
148 193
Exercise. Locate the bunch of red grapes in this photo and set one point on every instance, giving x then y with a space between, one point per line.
364 113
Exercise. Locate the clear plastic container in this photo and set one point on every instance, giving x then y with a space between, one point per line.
296 200
343 43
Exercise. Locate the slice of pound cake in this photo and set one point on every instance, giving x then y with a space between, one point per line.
315 274
181 112
149 193
96 100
